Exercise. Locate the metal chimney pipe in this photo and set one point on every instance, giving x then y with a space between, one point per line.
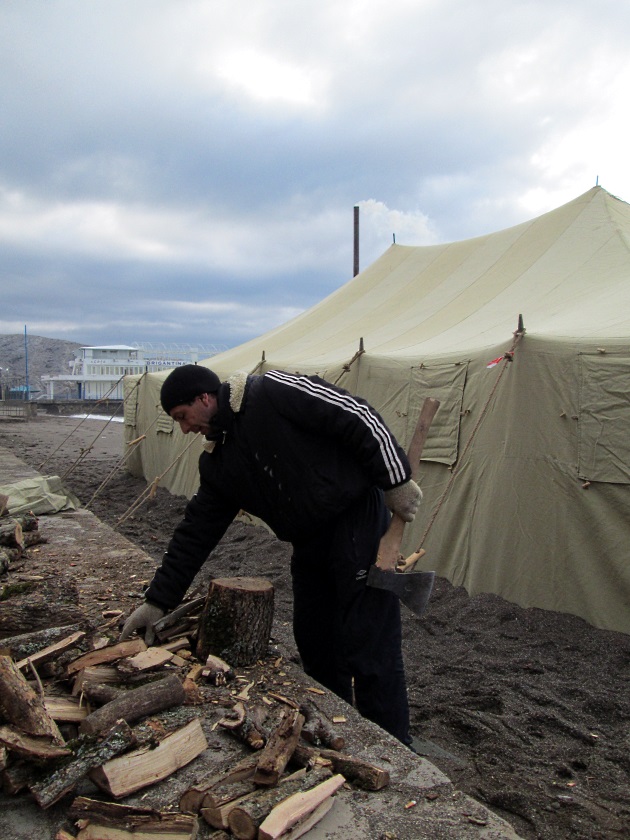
356 240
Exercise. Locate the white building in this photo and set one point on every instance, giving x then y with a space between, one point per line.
99 371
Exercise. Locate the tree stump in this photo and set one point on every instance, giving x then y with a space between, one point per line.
235 623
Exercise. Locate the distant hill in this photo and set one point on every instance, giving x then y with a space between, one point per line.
48 356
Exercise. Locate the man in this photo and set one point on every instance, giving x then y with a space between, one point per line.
320 467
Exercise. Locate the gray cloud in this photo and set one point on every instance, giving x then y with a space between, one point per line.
186 171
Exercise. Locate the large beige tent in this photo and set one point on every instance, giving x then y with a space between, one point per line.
526 471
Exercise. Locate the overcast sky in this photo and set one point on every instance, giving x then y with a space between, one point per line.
185 171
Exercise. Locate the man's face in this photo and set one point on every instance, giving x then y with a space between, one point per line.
197 415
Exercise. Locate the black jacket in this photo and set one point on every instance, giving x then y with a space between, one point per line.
292 450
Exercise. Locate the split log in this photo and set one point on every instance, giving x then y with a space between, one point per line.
31 538
62 834
136 703
27 644
220 795
128 773
194 697
172 618
4 504
192 799
105 820
5 560
98 694
27 521
11 534
244 727
318 729
246 817
89 755
217 671
187 626
17 777
292 814
96 674
110 653
177 644
279 748
236 620
32 747
218 817
173 827
21 706
52 651
147 660
358 772
65 709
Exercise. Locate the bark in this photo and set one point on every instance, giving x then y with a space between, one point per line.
236 620
28 644
22 706
245 819
192 799
28 521
172 618
52 651
109 819
89 754
33 538
244 727
34 606
17 777
279 749
33 747
358 772
318 729
99 694
187 626
129 773
293 812
5 560
11 534
136 703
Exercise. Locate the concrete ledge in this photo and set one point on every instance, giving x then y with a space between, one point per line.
421 803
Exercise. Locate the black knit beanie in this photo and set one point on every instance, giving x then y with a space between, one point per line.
185 383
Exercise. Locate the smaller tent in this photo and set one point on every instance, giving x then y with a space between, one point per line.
526 472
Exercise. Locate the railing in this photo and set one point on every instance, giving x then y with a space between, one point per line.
17 410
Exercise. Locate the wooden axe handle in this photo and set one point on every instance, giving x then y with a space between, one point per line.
389 548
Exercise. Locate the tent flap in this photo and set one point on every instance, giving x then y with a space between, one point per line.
604 418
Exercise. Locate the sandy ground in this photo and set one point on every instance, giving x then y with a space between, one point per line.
525 710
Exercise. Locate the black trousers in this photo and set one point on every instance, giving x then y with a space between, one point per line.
349 634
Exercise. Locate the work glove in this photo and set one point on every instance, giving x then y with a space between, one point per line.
145 616
404 500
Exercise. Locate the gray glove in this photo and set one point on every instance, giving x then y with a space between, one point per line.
145 616
404 500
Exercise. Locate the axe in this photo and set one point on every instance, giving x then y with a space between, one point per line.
390 571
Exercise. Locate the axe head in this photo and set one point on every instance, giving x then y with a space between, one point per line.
412 588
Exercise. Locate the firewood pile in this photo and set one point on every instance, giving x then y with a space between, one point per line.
16 535
77 705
